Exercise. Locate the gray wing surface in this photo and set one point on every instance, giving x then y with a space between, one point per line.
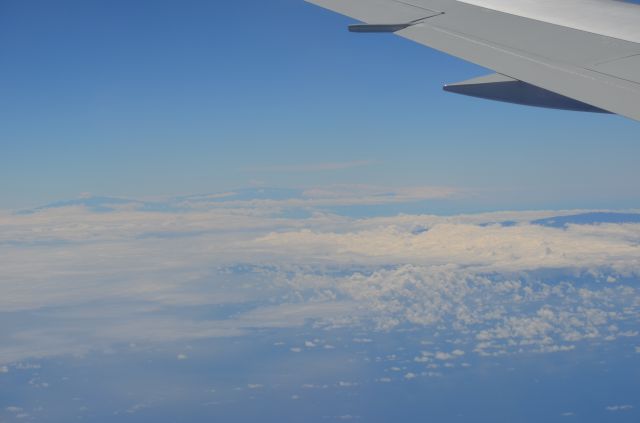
599 71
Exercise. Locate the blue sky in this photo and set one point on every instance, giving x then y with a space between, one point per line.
160 98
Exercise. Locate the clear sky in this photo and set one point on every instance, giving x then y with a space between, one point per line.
153 98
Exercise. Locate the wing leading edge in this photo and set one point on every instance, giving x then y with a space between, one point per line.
545 64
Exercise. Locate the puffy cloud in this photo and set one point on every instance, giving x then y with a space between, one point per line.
443 356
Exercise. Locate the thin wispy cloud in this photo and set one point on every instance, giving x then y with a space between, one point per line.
313 167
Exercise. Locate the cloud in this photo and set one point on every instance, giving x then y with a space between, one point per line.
344 384
57 335
489 248
358 194
313 167
18 412
443 356
292 315
615 408
99 279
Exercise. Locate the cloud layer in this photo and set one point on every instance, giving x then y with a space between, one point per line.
493 284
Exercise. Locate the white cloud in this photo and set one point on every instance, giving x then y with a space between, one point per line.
443 356
491 248
344 384
614 408
4 369
484 284
182 357
313 386
27 366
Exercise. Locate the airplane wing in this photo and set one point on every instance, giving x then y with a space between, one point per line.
565 54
